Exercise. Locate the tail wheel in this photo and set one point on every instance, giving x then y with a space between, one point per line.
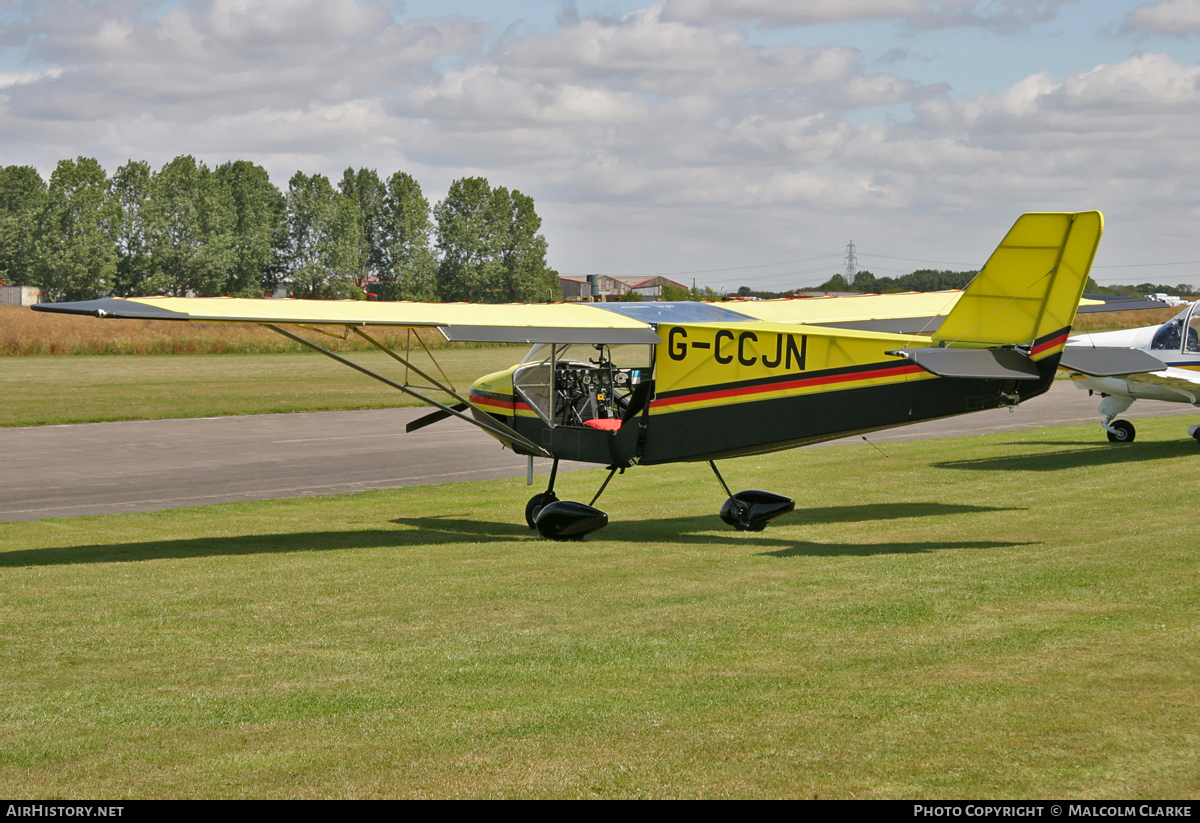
1122 432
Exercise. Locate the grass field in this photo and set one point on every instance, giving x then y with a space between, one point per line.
997 616
46 390
1114 320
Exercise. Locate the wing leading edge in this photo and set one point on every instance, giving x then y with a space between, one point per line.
499 323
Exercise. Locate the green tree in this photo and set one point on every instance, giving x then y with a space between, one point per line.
522 251
77 257
192 219
920 280
130 190
365 192
464 240
404 260
491 251
679 293
322 239
835 283
22 198
259 229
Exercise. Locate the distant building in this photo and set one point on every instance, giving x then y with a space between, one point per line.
650 288
610 288
20 295
575 289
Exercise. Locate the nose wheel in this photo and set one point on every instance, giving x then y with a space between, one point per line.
535 505
557 519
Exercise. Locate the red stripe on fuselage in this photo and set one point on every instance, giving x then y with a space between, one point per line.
791 384
490 402
506 405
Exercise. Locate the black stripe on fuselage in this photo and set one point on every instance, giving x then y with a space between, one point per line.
789 377
757 427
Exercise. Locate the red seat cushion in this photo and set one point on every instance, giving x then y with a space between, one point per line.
609 424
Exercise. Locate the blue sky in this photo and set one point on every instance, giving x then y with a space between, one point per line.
715 138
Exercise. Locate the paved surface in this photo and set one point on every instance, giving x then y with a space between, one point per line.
146 465
106 468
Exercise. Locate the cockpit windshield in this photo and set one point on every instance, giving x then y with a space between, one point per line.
569 385
1170 336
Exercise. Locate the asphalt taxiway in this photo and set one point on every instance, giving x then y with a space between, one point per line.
147 465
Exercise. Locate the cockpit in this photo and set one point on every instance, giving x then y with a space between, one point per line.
592 385
1181 333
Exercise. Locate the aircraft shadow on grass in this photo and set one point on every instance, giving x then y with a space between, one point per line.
449 529
1092 454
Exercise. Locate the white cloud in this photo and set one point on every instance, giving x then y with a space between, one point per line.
212 57
1000 15
650 142
23 78
1171 17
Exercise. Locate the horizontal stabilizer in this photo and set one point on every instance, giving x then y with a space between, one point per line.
1106 362
980 364
1107 302
433 417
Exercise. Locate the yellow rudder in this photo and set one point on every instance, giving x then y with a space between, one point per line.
1031 285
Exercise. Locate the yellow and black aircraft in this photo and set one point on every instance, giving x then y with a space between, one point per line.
624 384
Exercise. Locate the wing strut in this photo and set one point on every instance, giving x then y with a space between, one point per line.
490 426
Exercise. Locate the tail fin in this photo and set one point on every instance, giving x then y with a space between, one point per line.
1031 285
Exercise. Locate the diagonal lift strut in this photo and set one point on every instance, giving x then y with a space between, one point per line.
490 426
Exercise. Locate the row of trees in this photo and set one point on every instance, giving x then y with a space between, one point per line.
931 280
187 229
920 280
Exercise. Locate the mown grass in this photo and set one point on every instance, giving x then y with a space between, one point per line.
1115 320
999 616
56 390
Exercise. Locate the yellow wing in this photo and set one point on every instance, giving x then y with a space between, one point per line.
518 323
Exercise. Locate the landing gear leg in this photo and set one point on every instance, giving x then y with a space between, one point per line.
1119 431
566 519
752 510
540 501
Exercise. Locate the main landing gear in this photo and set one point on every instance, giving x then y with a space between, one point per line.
1122 431
1119 431
554 519
564 519
752 510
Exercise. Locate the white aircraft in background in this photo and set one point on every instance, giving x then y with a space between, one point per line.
1150 363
